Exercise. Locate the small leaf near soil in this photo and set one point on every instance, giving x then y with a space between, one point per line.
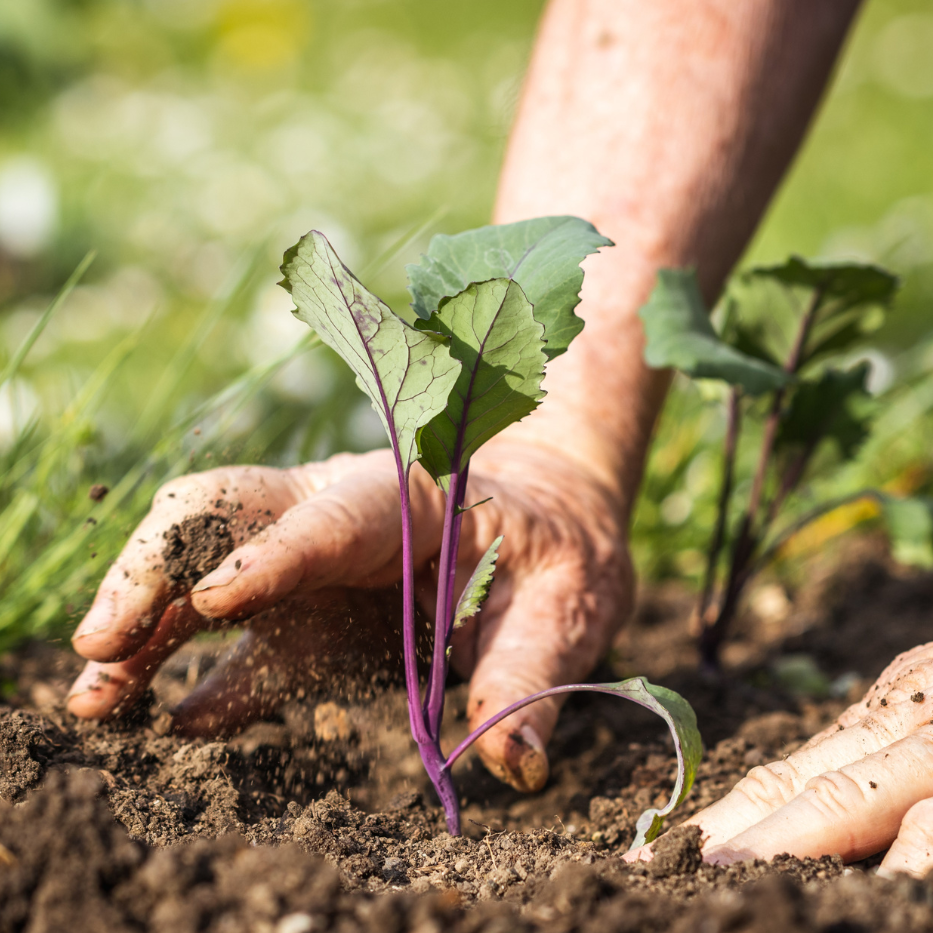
543 255
678 333
494 334
682 722
477 588
408 374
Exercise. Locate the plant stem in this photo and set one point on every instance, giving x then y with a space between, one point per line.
774 417
409 635
609 689
447 562
725 492
428 743
750 534
789 482
455 550
433 709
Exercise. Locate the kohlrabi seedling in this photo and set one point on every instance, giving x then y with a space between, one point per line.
493 306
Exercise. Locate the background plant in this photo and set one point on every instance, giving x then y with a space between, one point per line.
812 401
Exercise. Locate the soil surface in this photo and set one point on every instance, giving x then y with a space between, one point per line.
322 820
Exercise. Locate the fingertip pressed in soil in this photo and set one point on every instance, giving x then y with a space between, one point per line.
322 820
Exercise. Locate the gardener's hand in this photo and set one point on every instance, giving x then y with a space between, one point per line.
304 587
862 785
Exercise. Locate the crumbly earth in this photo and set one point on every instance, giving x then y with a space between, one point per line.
195 547
322 819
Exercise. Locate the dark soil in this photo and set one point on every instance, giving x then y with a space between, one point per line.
196 547
322 820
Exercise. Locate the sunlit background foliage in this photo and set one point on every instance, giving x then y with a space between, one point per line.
188 143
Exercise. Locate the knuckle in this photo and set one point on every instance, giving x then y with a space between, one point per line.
766 785
884 728
835 795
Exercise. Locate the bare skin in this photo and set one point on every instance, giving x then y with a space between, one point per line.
669 126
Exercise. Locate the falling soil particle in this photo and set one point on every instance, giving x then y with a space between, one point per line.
98 492
918 697
196 547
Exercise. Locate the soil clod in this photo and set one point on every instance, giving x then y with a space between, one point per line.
195 547
677 852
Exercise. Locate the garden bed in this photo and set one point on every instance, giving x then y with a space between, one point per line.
323 820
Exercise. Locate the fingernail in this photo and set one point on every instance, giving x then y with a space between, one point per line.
533 762
526 765
96 621
222 576
87 682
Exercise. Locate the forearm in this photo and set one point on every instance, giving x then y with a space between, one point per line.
668 125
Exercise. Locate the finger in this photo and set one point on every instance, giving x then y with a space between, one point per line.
135 591
912 850
344 636
346 534
104 690
544 631
853 811
908 677
769 787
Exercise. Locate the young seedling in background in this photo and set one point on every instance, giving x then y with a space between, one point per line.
804 399
493 305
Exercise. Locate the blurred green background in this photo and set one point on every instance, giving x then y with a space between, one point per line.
189 143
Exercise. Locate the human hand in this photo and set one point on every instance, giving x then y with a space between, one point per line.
858 787
305 589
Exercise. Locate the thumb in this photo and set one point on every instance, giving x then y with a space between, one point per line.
542 631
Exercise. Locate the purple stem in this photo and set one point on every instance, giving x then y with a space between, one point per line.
428 745
455 550
434 699
521 704
413 688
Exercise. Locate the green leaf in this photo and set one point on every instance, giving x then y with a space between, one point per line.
494 334
750 340
910 529
682 722
678 333
850 283
823 408
542 255
477 588
839 336
407 373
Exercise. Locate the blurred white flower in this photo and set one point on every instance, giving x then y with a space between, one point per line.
28 206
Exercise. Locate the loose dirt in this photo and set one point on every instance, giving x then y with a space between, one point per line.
322 820
195 547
